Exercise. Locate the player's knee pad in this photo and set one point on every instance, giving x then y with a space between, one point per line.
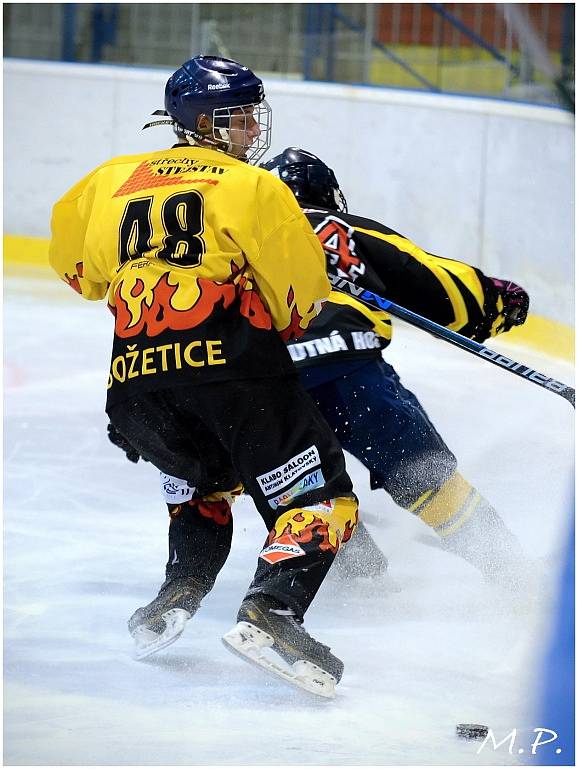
322 526
217 506
449 507
182 498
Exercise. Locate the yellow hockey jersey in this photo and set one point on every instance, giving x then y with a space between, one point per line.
208 263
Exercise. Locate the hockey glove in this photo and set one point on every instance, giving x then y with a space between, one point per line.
119 440
516 303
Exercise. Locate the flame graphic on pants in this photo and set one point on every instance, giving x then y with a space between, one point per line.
216 507
327 525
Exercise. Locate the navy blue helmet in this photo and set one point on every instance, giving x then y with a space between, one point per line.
310 180
219 89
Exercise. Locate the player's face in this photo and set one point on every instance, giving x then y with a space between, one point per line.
243 131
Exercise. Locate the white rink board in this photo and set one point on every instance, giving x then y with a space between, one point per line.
480 180
85 536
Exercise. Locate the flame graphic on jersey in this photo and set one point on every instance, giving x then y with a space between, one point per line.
252 306
73 281
155 310
145 178
168 306
305 527
293 330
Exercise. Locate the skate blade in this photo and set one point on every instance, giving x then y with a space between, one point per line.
148 642
249 642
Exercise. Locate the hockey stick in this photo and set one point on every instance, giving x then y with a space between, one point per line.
520 369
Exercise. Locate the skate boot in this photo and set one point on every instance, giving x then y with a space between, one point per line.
162 621
360 557
266 628
486 543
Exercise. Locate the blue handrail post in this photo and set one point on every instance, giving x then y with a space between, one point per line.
477 39
346 21
330 60
68 51
104 23
567 48
309 47
97 24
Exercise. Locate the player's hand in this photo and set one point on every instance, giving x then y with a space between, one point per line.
115 437
516 303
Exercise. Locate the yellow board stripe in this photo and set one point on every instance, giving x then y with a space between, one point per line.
26 250
542 334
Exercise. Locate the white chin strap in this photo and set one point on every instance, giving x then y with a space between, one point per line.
224 134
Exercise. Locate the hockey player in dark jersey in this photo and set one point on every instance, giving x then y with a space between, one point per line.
192 247
375 417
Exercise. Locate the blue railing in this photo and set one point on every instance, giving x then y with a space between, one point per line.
319 41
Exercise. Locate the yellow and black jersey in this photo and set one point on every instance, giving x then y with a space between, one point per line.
381 260
208 263
345 329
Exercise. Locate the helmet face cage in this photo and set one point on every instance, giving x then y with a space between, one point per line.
323 188
235 140
340 201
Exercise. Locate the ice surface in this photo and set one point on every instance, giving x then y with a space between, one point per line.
85 544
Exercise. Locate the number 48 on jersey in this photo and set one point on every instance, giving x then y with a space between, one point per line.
176 231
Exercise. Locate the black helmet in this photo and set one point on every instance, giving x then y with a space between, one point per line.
310 180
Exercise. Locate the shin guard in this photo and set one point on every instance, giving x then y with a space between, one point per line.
300 549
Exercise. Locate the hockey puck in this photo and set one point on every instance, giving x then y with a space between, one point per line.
472 731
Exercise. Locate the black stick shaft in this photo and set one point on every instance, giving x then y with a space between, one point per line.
520 369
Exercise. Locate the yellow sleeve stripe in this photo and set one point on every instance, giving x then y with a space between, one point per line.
379 319
463 271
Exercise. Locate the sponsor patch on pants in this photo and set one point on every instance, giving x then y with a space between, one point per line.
311 481
280 477
175 490
280 549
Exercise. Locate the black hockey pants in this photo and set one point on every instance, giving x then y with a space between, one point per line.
268 435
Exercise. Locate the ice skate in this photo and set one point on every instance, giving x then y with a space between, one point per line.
162 621
486 543
269 635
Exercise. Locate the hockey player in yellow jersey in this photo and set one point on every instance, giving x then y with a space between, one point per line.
209 267
374 416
